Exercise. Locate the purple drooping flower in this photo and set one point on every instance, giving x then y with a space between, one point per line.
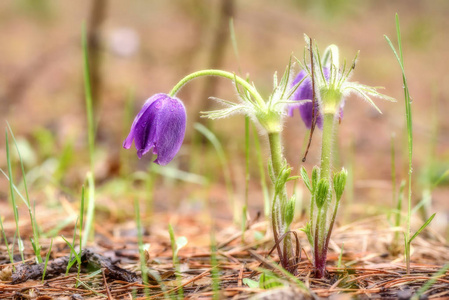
161 125
304 92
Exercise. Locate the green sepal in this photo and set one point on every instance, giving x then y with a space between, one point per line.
305 178
283 177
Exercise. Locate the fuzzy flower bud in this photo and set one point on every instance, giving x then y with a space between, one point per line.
322 192
315 177
340 182
289 210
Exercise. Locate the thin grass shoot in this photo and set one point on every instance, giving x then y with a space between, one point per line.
143 264
13 198
91 138
47 257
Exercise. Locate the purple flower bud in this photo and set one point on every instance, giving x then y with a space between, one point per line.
161 125
304 92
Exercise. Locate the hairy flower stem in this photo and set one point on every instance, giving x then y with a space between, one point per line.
271 122
219 73
321 240
285 251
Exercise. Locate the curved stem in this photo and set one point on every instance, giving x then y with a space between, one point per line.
224 74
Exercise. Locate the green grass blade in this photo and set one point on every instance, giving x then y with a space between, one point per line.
69 265
422 227
10 254
15 187
90 289
47 257
214 264
128 116
88 96
143 264
430 282
263 182
81 218
393 167
56 229
91 139
36 245
394 51
408 114
440 179
397 213
340 256
22 167
175 249
13 198
77 257
247 178
90 215
178 174
234 42
425 201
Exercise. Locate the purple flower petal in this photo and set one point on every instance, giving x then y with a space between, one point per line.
170 131
129 140
305 92
160 125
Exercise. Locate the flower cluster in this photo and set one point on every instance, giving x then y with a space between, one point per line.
319 92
